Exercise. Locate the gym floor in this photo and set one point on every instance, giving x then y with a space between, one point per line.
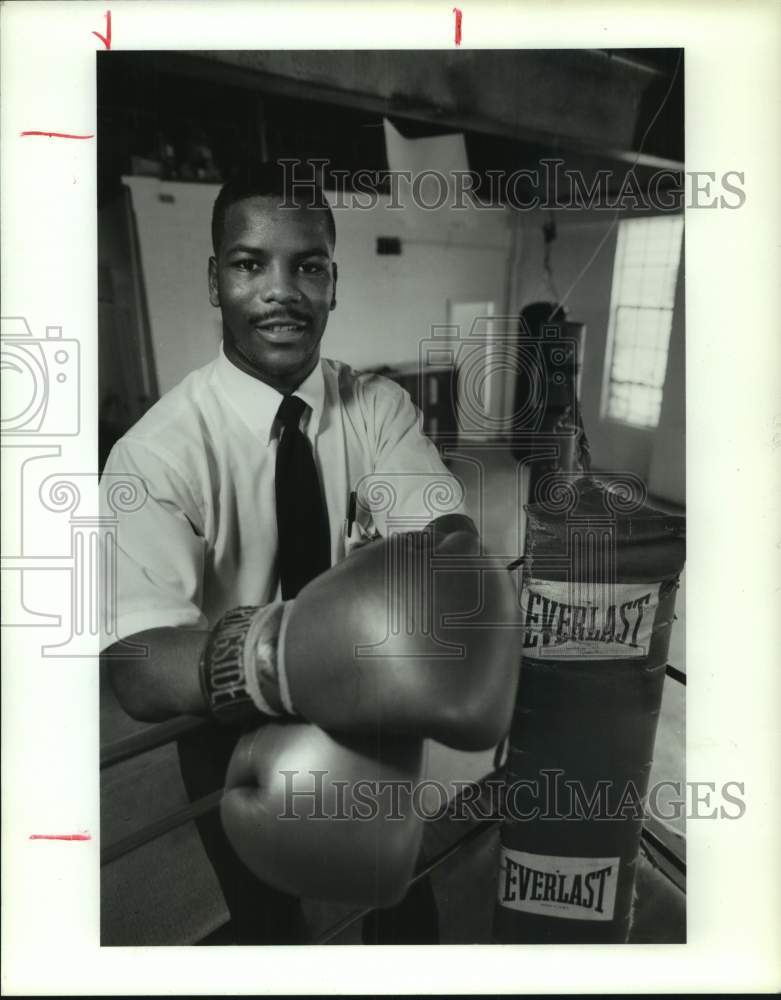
163 893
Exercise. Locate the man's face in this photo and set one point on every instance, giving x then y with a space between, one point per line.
274 281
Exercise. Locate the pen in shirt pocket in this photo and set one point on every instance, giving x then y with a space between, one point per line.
350 519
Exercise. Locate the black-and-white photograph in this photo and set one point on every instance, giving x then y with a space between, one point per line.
392 453
389 442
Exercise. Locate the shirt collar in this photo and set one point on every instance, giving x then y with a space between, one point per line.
257 403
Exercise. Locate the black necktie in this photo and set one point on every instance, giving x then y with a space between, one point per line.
302 518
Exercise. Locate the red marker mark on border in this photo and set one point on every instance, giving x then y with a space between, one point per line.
59 135
457 12
106 39
60 836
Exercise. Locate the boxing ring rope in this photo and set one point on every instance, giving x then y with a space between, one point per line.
675 869
656 836
676 674
484 826
153 831
149 739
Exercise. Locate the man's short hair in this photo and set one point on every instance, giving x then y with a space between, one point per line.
274 179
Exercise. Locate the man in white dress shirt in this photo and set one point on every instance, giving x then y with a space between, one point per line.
205 539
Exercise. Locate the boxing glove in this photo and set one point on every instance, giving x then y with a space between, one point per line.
324 817
416 634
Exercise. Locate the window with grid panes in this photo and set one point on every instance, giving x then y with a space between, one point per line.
645 271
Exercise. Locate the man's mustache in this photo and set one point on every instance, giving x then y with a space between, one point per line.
279 318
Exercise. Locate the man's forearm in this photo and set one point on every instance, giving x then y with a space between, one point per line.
165 682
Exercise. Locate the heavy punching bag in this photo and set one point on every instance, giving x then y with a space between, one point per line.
597 595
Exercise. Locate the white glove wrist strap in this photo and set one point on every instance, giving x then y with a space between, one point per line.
284 687
261 660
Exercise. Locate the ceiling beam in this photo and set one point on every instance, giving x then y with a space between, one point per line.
562 100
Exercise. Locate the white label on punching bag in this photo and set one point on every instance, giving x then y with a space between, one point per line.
597 621
571 888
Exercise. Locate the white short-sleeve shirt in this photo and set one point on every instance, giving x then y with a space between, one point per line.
203 537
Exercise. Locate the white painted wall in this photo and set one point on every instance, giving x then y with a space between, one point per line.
175 245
